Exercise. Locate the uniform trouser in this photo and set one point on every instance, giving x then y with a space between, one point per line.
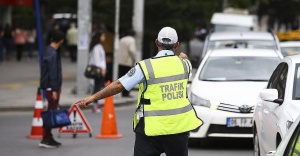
171 145
52 105
122 71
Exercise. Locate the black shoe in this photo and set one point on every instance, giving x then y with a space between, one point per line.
55 142
48 144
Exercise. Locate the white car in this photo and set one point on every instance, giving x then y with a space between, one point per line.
224 90
278 106
241 40
233 22
289 48
290 144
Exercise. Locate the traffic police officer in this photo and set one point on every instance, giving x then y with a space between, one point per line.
164 115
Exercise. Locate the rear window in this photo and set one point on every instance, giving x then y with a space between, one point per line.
242 44
238 68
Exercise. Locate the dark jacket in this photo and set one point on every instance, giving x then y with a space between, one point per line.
51 71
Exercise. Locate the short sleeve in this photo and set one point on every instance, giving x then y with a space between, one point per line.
133 77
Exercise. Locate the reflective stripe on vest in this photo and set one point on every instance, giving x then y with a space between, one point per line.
153 80
168 112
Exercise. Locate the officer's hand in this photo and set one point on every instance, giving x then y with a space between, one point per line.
83 103
183 55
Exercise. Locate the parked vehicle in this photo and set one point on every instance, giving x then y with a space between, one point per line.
238 40
233 22
278 106
224 90
241 40
289 48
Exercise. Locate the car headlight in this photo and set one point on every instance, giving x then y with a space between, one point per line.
202 102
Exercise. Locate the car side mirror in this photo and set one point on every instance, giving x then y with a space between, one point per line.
270 95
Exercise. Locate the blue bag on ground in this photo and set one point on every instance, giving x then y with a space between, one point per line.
55 118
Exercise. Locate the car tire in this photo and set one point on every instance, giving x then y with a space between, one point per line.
256 144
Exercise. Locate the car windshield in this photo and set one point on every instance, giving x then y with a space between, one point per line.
242 44
242 68
221 28
296 90
288 51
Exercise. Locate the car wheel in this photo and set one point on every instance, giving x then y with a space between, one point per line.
256 144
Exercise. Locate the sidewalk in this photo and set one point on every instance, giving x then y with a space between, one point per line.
19 82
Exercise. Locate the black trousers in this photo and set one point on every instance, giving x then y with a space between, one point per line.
73 53
98 85
52 105
171 145
122 71
19 49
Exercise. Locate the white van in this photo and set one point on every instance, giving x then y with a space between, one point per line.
233 22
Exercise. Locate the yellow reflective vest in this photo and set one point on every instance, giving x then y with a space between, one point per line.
166 108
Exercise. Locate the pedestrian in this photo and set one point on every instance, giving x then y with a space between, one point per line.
98 58
164 115
71 36
8 42
31 37
109 67
1 45
51 82
127 55
20 38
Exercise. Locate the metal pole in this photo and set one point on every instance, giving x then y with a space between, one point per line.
39 29
138 25
84 31
116 40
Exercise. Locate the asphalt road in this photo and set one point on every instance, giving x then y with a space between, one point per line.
15 126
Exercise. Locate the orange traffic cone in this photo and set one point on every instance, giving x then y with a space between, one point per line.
37 122
109 124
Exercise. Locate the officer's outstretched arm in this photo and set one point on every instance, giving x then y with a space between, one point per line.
110 90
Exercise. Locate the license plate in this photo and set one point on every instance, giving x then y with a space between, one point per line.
239 122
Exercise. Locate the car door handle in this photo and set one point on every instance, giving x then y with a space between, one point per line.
266 111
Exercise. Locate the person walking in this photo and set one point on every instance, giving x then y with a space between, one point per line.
72 34
1 45
127 55
20 38
98 58
51 82
164 115
8 42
